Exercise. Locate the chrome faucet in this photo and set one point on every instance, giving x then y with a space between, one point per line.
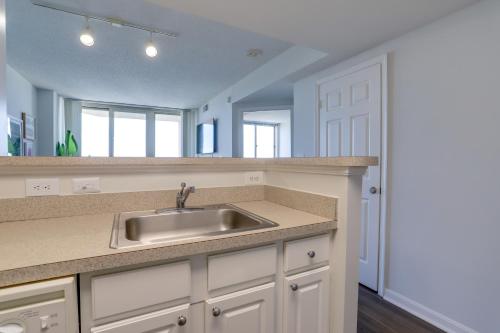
183 195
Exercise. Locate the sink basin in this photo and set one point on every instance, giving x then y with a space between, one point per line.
145 228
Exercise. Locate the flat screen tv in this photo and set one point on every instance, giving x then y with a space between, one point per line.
206 138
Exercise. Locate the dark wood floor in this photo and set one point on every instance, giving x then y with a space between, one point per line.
378 316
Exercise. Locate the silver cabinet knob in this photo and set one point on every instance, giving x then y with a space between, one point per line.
294 286
373 190
311 254
216 312
182 321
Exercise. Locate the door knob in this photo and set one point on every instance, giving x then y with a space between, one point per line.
182 321
373 190
216 312
294 287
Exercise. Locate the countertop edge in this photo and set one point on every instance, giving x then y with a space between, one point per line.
79 165
169 252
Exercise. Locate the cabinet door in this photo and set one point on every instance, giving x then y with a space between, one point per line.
248 311
173 320
306 305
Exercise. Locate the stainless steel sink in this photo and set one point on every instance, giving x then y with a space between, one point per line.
148 227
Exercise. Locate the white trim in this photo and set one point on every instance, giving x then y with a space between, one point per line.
383 178
433 317
382 60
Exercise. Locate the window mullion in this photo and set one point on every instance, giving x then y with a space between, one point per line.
111 132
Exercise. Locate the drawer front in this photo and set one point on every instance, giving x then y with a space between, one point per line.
121 292
173 320
238 267
307 252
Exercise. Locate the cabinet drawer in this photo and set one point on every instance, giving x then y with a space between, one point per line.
307 252
136 289
170 320
226 270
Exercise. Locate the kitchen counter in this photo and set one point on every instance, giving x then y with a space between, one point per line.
42 249
58 165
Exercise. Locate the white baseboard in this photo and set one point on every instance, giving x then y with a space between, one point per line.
435 318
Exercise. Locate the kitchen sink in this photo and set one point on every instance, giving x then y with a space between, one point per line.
152 227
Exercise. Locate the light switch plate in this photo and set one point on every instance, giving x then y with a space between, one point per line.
86 185
254 178
42 187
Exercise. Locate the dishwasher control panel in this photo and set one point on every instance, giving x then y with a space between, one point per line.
45 307
39 317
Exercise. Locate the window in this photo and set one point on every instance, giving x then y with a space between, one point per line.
259 140
249 141
120 131
129 134
95 132
167 135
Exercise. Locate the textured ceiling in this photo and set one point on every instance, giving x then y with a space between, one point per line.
343 28
43 46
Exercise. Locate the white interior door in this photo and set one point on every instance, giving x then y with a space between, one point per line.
350 125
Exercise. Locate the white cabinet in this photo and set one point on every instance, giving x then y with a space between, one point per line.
244 291
248 311
122 292
173 320
307 252
306 304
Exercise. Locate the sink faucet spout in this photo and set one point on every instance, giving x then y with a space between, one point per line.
183 195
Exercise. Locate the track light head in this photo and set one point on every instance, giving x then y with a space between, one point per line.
151 50
86 37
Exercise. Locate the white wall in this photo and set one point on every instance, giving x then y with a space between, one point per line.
46 123
444 152
290 61
21 97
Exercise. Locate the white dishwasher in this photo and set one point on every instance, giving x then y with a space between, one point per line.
45 307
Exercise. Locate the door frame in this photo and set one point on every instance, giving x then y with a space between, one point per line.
382 60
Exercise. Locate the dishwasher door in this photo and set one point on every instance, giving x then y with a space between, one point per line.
45 307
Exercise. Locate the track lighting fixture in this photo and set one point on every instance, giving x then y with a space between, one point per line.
87 37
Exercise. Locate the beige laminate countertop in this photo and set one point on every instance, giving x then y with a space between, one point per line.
42 249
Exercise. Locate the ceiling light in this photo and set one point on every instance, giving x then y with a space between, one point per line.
86 37
151 50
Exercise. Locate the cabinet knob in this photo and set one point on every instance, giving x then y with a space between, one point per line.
182 321
311 254
373 190
216 312
294 286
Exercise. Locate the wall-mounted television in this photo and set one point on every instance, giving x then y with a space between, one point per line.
206 137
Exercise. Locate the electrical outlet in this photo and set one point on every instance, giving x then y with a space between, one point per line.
254 178
41 187
86 185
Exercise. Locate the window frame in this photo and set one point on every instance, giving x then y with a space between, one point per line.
150 114
276 128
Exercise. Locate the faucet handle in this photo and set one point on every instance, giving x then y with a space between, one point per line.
192 189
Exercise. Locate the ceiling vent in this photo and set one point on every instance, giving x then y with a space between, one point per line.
254 53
